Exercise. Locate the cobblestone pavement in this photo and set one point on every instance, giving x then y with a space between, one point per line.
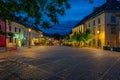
59 63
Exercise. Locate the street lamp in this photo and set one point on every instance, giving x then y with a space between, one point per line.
98 32
29 38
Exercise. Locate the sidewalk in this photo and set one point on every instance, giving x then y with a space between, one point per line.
9 53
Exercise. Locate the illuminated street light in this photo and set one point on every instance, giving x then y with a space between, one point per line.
98 32
29 38
29 30
41 35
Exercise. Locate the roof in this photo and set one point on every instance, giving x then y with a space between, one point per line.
109 6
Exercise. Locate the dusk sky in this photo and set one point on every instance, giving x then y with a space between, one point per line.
79 9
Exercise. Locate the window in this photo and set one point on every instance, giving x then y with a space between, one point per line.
93 30
113 30
0 27
10 40
99 21
15 29
15 40
85 25
88 24
19 30
113 19
10 28
93 22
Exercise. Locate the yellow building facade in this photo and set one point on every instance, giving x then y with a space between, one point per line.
104 25
32 36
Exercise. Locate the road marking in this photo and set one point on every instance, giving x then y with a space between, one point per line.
106 72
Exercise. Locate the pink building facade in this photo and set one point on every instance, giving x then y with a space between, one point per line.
2 37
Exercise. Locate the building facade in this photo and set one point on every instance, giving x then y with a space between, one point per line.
104 25
31 36
2 37
23 35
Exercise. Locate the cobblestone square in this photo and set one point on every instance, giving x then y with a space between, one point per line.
60 63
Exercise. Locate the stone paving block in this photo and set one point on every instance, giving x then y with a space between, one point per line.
4 75
34 73
113 73
60 63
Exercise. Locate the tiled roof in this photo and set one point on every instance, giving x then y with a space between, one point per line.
109 6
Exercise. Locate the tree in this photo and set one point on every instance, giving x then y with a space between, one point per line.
36 12
87 36
84 37
67 37
78 36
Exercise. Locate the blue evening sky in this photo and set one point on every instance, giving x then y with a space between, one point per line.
79 9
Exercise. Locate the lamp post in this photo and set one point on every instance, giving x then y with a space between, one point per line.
29 38
98 32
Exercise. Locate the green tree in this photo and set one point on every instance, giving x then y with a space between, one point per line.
78 37
43 12
84 37
87 36
66 37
